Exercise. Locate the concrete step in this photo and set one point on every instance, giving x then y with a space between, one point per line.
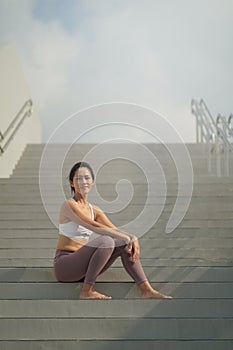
118 290
180 308
153 199
190 233
26 200
46 224
191 253
198 205
109 189
166 242
158 262
170 179
116 152
169 274
159 225
79 150
124 344
169 173
129 212
10 186
198 168
113 329
77 153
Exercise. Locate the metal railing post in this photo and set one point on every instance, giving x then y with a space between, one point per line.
219 133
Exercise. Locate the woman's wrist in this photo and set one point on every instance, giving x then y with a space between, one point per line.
133 238
127 240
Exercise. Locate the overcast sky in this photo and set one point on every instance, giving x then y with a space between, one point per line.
155 53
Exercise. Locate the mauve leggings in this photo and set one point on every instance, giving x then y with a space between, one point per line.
95 257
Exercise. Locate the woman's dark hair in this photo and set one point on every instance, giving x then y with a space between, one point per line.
76 167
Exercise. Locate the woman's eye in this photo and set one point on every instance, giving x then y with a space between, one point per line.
80 178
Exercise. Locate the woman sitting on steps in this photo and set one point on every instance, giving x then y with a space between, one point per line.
80 258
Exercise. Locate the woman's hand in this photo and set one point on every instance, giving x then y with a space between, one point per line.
134 249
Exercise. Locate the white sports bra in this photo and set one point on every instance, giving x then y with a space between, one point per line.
73 230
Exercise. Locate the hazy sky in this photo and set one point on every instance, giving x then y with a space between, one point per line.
155 53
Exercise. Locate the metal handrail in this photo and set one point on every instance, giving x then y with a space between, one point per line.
26 113
205 124
28 103
229 121
224 130
219 133
203 104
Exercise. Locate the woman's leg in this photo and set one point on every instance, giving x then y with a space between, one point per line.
135 270
88 261
104 247
93 259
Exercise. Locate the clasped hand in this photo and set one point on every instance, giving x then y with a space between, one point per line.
134 249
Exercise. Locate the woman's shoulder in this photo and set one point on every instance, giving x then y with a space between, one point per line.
68 203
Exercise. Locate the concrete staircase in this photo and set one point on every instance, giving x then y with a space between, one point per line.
194 264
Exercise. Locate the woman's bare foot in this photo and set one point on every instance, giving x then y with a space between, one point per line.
147 292
88 292
93 295
153 294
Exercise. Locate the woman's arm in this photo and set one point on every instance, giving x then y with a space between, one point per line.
101 217
134 247
71 211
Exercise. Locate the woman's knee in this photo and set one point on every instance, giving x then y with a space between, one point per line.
103 242
107 242
122 248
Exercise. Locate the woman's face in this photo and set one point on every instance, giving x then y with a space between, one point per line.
82 181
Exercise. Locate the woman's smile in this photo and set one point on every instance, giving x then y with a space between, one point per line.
84 187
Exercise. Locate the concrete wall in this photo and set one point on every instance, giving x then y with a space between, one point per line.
14 93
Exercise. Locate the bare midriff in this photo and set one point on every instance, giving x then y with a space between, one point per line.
72 244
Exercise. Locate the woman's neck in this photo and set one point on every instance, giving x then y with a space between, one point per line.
82 200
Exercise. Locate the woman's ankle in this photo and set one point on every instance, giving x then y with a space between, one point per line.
145 286
87 287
